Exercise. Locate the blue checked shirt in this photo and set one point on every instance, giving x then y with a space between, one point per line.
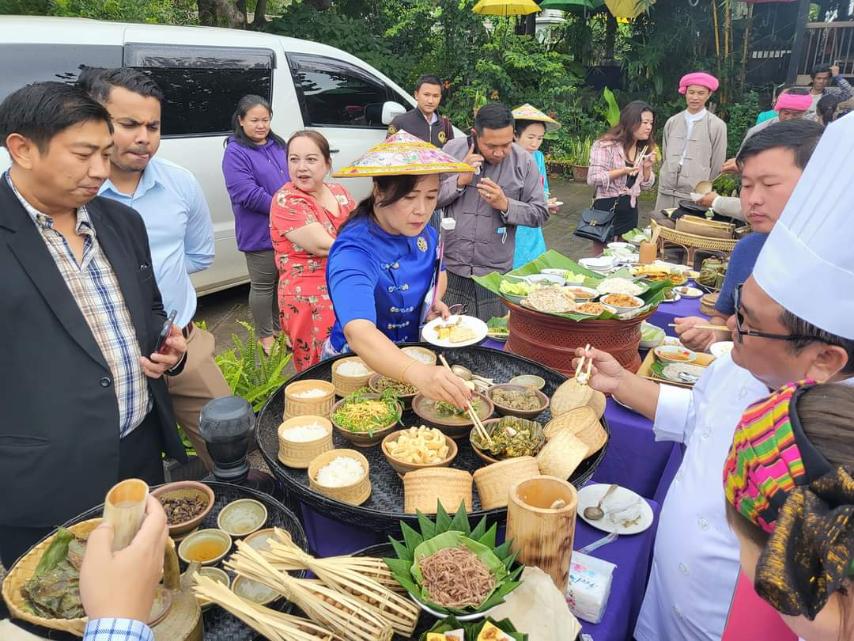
117 630
94 287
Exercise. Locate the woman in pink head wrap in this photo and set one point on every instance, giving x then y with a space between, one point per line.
693 145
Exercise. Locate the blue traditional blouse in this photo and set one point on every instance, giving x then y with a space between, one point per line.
380 277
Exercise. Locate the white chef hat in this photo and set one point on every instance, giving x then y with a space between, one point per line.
807 263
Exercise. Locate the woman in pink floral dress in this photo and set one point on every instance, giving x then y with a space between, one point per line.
304 220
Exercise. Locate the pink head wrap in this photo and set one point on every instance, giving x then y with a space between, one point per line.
701 78
793 102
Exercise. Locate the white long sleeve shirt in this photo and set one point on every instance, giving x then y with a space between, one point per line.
695 563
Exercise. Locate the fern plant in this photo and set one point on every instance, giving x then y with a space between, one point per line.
249 372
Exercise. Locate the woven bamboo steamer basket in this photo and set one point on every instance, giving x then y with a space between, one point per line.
593 435
495 480
562 455
429 355
346 385
573 420
423 489
707 303
572 394
23 571
316 406
299 454
353 494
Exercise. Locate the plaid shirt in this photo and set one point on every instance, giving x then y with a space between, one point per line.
117 630
605 156
94 287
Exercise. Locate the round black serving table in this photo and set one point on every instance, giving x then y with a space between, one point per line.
219 625
383 511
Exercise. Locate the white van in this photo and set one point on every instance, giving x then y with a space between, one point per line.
203 72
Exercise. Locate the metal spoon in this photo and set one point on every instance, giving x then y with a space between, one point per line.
467 375
594 513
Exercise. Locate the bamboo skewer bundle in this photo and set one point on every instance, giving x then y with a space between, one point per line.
401 613
326 606
276 626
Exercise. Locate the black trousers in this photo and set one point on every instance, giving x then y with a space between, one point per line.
140 456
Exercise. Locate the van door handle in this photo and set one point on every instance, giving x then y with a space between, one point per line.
334 151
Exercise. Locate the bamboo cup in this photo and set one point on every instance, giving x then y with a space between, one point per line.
124 509
541 525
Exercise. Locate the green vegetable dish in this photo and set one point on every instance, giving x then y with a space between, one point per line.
365 413
512 437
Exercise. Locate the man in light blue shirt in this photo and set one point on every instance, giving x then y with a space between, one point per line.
178 221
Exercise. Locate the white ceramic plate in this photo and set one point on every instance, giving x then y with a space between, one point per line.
688 292
634 519
721 348
428 332
439 615
546 279
674 354
676 297
598 263
672 372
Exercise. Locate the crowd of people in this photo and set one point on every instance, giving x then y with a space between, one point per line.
100 235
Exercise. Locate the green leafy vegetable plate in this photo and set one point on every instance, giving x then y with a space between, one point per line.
445 532
471 630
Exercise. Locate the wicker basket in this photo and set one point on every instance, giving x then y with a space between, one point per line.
346 385
691 243
355 493
562 454
706 228
494 481
24 569
575 420
552 340
317 406
299 454
572 394
428 355
708 302
423 489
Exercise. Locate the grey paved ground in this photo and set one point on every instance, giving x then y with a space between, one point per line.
223 310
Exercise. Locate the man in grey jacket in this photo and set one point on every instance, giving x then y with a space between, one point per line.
506 190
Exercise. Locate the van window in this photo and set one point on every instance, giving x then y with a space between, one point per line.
202 85
26 63
334 93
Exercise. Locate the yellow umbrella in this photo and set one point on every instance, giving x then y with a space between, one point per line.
506 7
628 9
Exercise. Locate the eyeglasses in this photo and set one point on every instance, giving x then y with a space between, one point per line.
742 332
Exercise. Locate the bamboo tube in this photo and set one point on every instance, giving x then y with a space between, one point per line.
341 613
541 525
124 509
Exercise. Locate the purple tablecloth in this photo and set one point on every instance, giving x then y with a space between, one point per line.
634 459
666 312
631 555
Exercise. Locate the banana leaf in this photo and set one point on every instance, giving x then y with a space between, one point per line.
455 539
472 629
654 294
57 551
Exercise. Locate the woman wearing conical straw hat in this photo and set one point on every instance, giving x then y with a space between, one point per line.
384 270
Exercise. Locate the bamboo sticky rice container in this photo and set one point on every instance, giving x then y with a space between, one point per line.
299 454
355 493
562 455
124 509
572 394
421 354
346 385
573 420
541 525
494 481
310 406
422 489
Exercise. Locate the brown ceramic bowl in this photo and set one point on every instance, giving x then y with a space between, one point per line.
374 384
456 426
186 489
364 439
490 426
505 410
402 467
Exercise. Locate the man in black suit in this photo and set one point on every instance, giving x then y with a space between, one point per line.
81 405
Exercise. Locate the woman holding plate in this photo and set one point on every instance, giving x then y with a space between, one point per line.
383 271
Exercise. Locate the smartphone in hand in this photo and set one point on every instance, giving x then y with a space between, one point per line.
160 347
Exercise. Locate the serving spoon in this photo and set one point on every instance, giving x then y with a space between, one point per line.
595 512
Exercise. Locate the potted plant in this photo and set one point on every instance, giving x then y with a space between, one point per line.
580 158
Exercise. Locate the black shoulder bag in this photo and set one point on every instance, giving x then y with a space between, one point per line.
597 224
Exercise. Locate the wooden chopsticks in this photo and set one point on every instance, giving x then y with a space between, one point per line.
582 377
478 425
718 328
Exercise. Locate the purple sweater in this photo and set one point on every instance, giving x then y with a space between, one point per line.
252 177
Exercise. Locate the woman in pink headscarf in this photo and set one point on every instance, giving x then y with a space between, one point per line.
693 145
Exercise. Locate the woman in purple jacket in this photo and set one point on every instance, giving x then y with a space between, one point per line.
255 166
